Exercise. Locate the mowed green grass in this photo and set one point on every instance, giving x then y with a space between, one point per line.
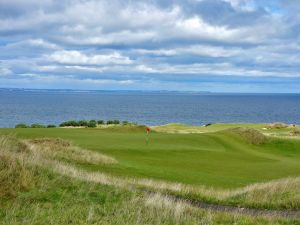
217 159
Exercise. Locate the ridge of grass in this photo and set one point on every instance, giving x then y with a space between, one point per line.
223 160
54 198
250 135
279 194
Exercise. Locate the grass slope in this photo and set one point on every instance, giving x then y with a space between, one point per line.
222 159
32 192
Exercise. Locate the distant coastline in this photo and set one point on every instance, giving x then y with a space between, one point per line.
141 91
106 91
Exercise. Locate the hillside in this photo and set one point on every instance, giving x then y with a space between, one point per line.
50 175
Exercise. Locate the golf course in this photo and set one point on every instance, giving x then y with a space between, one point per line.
249 166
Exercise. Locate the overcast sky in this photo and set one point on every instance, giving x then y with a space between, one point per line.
198 45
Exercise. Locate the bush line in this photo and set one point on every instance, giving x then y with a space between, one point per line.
75 123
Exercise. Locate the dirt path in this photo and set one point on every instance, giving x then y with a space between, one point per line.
234 209
291 214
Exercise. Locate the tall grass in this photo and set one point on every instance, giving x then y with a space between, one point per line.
250 135
60 156
59 149
14 174
44 191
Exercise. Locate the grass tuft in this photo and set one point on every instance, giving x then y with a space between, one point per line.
60 149
15 175
276 126
250 135
296 132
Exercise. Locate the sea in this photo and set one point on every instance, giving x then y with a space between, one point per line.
145 107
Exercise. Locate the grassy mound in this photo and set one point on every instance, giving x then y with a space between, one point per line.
276 126
250 135
56 148
217 159
177 128
15 175
283 193
59 199
296 132
124 128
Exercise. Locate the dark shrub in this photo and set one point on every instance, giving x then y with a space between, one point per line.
36 125
100 122
116 121
125 122
62 124
21 125
92 123
83 123
71 123
51 126
113 122
109 122
74 123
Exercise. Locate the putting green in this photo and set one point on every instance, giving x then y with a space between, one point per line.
219 159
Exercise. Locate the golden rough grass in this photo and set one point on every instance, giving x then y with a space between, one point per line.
167 205
177 129
277 125
23 162
283 193
250 135
296 132
63 150
14 175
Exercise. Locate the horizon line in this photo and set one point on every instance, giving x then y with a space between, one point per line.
138 90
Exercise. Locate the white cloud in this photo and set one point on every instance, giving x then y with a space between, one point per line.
129 39
32 44
200 50
122 37
78 58
43 44
248 5
5 71
196 27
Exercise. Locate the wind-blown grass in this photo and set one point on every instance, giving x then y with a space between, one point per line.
278 194
64 150
220 160
55 198
250 135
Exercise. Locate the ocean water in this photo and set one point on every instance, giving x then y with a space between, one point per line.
54 107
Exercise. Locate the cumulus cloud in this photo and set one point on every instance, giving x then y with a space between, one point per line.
5 71
141 41
78 58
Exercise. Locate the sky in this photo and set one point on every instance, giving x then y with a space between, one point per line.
176 45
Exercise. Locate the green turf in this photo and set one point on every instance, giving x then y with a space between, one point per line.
61 200
217 159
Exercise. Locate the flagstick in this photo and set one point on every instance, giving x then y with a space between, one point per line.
147 138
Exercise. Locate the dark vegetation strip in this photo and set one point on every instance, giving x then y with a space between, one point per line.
75 123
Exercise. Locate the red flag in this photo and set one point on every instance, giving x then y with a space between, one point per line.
148 130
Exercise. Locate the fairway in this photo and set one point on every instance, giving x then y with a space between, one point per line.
217 159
